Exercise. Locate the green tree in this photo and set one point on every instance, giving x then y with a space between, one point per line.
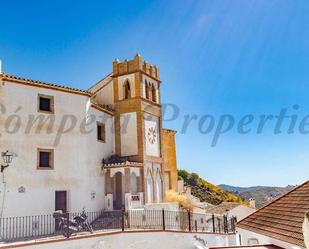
184 175
194 179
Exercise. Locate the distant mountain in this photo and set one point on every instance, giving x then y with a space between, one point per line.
206 191
261 194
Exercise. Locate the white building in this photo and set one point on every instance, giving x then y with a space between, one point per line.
98 149
231 209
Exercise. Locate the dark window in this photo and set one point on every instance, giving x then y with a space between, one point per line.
154 96
147 90
127 90
46 103
45 158
101 132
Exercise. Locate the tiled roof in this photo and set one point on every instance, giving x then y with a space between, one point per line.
12 78
100 84
282 219
104 108
222 208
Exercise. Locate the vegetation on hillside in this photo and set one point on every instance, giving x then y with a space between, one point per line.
206 191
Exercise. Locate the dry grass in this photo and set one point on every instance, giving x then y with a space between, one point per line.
182 200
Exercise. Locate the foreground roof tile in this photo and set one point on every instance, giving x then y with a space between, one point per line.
281 219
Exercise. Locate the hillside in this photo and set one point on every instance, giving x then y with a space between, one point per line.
261 194
206 191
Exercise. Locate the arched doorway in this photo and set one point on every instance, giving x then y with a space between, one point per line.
118 191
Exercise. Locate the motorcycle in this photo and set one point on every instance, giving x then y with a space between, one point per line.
78 224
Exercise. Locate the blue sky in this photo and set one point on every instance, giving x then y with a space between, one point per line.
215 57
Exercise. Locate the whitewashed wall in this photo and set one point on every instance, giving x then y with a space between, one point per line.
250 238
106 95
241 212
306 230
128 134
77 158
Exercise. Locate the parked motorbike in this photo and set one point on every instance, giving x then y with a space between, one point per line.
78 224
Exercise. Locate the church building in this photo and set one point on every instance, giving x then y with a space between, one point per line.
103 148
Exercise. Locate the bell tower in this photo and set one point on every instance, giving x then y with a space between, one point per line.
138 121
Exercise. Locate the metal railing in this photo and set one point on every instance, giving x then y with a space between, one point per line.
39 226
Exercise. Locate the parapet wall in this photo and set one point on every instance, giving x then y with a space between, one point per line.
135 65
136 240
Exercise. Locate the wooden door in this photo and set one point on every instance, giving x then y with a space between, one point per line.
61 201
60 204
118 179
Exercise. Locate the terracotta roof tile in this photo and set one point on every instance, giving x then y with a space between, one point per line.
281 219
37 83
222 208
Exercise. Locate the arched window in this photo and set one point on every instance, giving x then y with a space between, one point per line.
149 188
147 90
158 187
154 94
127 90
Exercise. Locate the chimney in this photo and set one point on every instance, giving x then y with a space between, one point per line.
252 203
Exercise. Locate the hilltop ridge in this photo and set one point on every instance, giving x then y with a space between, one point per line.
261 194
206 191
